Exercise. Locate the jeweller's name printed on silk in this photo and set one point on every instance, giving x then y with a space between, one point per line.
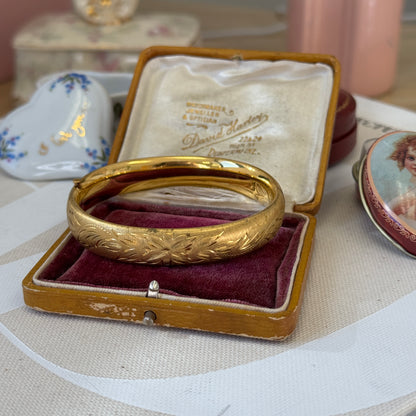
210 129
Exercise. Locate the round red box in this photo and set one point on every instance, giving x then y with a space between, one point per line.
344 136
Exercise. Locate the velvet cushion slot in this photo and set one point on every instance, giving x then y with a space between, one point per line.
260 278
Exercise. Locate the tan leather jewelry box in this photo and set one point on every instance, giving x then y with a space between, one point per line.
273 110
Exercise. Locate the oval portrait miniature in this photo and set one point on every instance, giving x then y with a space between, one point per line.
389 186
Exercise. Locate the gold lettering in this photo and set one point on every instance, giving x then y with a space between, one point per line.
220 153
194 139
215 108
190 140
200 119
225 132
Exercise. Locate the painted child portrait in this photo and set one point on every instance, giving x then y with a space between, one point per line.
404 204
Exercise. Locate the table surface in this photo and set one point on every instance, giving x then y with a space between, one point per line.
353 351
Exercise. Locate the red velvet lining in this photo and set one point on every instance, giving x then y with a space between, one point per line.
260 278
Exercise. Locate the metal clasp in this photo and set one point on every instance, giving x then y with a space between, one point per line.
153 289
237 58
149 317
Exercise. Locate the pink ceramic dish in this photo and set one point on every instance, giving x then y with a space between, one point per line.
387 183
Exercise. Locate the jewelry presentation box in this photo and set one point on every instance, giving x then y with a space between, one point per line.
269 109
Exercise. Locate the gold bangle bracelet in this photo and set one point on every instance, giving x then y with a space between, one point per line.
175 246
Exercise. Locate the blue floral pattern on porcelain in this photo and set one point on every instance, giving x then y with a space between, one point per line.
8 145
98 160
70 80
63 132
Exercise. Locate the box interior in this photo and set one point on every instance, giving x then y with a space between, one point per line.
271 114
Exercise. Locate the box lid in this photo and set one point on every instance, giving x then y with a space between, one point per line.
67 31
274 110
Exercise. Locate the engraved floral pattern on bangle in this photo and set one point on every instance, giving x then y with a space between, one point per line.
69 81
168 248
99 157
7 144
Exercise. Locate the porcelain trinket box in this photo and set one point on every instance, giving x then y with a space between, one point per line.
63 132
386 177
